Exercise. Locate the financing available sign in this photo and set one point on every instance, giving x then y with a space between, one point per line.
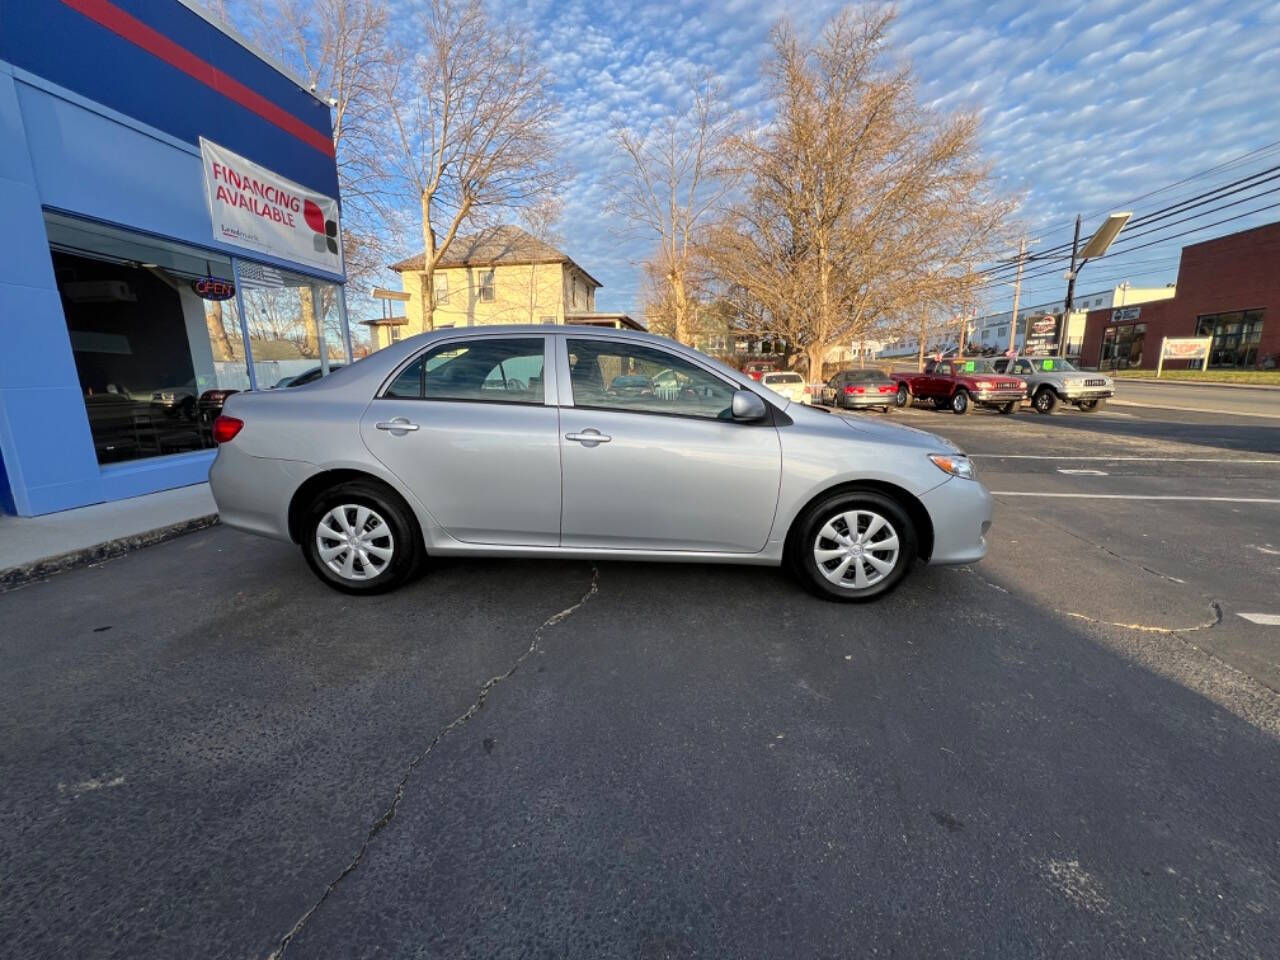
254 208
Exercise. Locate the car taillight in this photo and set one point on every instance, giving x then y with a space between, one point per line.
225 428
886 388
853 389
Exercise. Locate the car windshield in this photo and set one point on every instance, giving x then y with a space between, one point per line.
1051 364
974 366
863 376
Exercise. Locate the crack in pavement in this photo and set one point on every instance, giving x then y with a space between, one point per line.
1207 625
389 814
1107 550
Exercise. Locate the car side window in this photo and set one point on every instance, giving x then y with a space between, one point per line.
614 375
1023 367
943 369
487 369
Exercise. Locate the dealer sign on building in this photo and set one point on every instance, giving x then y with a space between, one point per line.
254 208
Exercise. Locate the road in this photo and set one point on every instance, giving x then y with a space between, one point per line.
1226 399
1071 749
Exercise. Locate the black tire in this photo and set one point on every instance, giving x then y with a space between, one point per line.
1008 408
403 537
1045 401
808 526
903 397
887 408
1093 406
960 402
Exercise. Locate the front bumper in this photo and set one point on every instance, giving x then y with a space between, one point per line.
961 514
1089 393
998 396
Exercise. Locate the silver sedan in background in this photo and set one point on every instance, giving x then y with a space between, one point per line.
517 441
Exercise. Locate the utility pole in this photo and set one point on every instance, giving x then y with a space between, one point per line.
1017 291
1071 292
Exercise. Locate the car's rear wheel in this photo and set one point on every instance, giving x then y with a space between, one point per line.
886 408
1045 400
903 398
960 402
1091 406
1008 408
361 538
853 546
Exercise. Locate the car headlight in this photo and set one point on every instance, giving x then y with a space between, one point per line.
955 464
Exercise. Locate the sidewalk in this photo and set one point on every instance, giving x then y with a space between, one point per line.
36 547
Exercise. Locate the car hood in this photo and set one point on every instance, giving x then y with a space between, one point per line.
879 431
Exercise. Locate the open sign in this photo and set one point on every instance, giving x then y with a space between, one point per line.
213 288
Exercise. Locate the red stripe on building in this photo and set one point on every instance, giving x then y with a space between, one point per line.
136 32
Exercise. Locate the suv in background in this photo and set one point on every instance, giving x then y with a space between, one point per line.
1054 380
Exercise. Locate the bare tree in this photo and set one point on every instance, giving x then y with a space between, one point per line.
676 176
471 120
858 202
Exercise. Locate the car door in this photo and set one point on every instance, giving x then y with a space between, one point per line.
659 472
470 426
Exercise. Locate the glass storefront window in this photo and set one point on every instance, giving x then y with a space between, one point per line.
155 359
1122 346
150 353
295 324
1236 336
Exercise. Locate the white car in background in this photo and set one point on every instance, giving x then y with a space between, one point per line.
788 384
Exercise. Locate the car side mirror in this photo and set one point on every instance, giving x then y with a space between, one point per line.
747 406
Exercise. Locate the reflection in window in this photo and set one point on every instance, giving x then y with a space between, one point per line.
295 323
626 376
500 371
1236 337
155 361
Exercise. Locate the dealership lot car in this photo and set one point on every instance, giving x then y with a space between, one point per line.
788 384
503 442
859 389
1054 380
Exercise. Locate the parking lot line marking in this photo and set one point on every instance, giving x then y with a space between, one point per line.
1039 456
1166 406
1131 496
1083 472
1264 619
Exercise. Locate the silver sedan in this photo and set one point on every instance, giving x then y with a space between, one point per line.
519 441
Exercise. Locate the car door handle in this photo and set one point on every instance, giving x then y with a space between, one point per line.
398 425
590 437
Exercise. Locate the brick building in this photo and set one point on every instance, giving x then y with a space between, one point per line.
1228 288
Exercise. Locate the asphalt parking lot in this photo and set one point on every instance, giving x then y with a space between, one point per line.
1070 749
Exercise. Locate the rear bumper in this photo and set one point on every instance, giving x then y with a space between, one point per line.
867 400
253 493
961 515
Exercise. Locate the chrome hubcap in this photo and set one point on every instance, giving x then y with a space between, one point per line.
856 549
354 542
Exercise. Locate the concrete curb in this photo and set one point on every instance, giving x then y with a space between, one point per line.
24 573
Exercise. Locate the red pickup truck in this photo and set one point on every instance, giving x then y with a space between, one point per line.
957 385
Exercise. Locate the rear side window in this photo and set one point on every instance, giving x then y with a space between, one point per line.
488 369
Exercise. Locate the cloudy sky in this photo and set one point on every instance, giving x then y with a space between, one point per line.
1086 106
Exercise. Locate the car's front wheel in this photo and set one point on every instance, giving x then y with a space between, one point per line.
853 546
1091 406
360 538
1045 400
960 402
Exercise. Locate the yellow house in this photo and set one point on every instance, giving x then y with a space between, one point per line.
500 275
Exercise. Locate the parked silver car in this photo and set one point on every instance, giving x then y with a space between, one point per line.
1054 380
520 442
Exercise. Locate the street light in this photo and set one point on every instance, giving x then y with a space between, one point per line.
1098 244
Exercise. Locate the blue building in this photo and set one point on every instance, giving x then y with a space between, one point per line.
170 234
